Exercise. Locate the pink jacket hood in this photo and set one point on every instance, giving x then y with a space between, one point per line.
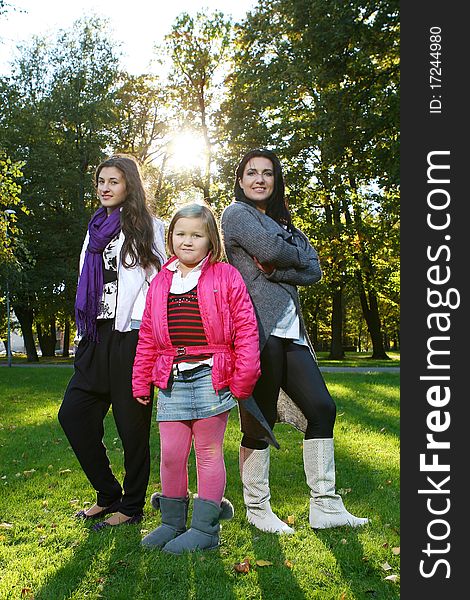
229 323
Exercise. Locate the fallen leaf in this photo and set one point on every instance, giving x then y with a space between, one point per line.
26 591
62 471
386 566
28 473
396 551
6 525
263 563
344 491
391 578
290 520
289 564
385 545
344 541
242 567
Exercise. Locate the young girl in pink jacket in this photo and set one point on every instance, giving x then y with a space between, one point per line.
198 343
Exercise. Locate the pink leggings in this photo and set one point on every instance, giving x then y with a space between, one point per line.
175 445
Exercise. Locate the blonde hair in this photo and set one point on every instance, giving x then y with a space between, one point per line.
203 212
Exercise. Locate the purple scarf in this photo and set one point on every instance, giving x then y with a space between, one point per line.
102 230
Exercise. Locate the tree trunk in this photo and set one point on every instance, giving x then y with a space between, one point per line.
313 332
370 310
66 347
47 338
25 316
205 133
367 296
336 350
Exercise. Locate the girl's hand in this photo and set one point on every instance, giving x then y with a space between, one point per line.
266 268
145 400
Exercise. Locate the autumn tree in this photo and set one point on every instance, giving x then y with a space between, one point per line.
198 48
60 114
318 82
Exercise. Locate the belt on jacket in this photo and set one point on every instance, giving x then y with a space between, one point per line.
175 371
195 350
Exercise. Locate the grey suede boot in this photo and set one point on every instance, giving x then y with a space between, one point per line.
174 514
205 527
254 472
326 506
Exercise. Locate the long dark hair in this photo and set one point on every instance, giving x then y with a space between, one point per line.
276 207
136 220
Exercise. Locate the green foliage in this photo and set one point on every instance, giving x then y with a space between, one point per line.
198 50
142 117
197 47
318 83
58 113
50 555
10 202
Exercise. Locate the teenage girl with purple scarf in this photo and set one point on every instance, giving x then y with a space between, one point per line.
123 250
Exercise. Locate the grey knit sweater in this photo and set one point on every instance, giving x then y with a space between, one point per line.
250 233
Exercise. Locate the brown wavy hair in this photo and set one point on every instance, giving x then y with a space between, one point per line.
136 220
203 212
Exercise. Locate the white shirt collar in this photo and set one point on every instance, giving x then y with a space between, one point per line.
173 266
180 284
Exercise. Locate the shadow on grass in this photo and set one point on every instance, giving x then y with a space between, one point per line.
113 562
123 570
321 557
376 414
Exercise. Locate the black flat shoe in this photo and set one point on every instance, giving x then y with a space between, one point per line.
81 514
134 519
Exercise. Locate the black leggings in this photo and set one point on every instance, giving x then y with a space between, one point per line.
292 367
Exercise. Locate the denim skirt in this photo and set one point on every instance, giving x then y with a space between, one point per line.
191 395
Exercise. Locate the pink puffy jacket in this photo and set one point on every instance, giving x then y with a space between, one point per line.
230 326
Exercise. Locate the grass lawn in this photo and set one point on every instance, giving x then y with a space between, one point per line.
359 359
46 554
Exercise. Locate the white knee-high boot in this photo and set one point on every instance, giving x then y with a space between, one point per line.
254 472
326 506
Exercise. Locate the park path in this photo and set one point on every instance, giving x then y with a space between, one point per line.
323 369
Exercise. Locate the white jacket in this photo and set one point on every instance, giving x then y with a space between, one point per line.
133 282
